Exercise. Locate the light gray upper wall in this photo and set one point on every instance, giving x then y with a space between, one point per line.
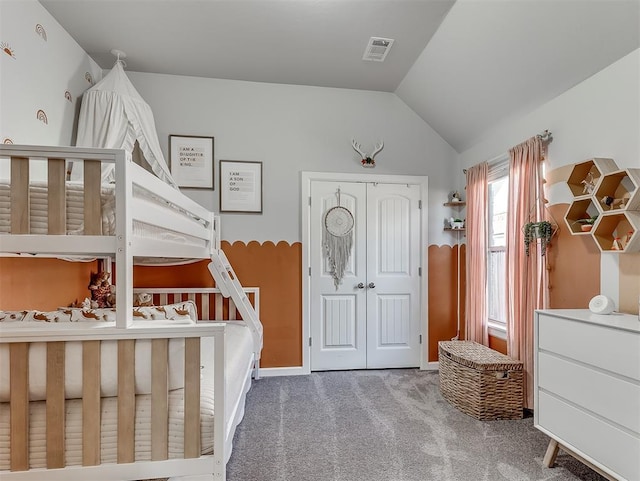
293 129
494 60
43 74
599 117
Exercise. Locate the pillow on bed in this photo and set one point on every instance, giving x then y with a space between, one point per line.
56 316
174 312
181 311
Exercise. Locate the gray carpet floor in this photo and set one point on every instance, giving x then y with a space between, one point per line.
389 425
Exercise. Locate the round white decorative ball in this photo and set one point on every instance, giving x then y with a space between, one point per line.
602 305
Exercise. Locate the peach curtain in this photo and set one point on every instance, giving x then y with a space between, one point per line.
476 289
526 275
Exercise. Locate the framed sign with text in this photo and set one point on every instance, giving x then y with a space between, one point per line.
240 186
191 161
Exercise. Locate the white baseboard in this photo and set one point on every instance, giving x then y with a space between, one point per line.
432 366
282 371
204 477
299 371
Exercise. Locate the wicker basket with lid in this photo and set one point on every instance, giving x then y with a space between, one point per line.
479 381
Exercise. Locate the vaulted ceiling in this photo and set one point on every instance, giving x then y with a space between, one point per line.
464 67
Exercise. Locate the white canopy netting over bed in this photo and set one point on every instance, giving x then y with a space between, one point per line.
114 115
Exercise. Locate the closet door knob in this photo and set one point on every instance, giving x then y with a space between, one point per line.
372 285
360 286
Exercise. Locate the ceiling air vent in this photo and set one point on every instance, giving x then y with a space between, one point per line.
377 49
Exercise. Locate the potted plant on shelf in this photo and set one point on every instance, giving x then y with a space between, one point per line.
456 223
586 224
533 231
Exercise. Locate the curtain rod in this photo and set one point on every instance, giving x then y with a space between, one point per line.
546 136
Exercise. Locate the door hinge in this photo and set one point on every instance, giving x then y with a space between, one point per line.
309 271
309 342
420 338
420 204
309 200
420 271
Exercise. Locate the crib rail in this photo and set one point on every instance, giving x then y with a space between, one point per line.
21 339
209 301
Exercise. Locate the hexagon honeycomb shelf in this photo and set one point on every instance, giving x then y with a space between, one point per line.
585 176
579 212
600 189
623 227
619 191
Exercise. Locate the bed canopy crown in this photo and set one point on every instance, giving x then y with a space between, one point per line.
114 115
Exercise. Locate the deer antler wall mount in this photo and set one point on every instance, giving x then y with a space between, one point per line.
367 160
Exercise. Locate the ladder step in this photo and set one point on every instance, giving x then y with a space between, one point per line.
229 285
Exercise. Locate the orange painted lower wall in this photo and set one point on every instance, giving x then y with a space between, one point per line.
43 284
275 269
443 261
498 344
629 281
574 266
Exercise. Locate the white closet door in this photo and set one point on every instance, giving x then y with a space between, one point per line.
393 280
373 319
338 316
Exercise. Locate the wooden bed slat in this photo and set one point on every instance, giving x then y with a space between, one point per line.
19 398
20 202
91 408
192 397
233 313
56 204
159 400
126 401
92 197
55 404
204 309
219 306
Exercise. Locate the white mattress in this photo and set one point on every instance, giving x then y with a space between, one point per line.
75 213
75 208
238 356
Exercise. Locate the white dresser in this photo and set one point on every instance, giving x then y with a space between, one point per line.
587 388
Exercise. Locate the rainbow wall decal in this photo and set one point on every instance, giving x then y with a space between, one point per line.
67 95
7 141
88 77
7 49
41 31
42 117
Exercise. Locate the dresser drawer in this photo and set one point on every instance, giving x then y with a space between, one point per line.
610 349
606 446
614 398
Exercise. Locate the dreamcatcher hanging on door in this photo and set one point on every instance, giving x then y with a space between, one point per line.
337 240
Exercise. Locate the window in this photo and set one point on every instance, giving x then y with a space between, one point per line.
496 246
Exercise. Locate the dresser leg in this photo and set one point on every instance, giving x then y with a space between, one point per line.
550 455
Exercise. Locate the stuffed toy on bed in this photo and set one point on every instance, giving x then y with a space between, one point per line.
101 289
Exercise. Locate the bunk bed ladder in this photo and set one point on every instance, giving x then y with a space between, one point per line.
229 285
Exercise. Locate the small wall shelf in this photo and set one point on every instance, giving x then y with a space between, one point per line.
579 210
621 188
623 225
589 171
455 205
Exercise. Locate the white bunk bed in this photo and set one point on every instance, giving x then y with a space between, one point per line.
152 219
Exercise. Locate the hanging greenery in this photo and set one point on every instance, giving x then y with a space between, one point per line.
542 231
